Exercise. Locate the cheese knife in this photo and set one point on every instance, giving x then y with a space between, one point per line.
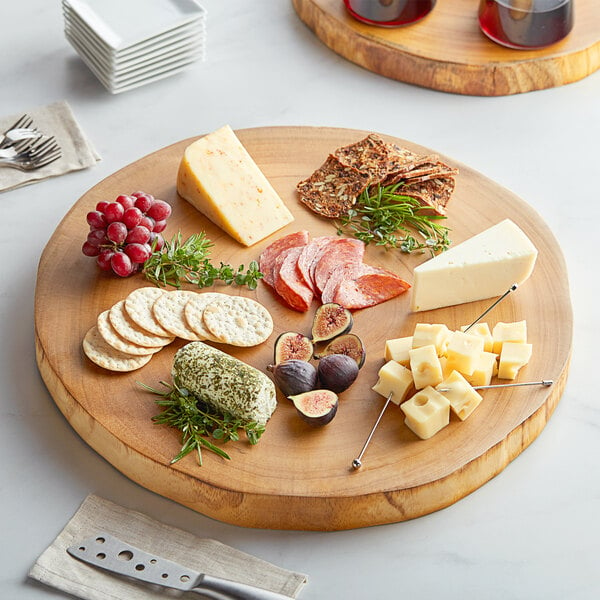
113 555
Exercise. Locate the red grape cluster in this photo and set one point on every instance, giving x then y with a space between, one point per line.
124 233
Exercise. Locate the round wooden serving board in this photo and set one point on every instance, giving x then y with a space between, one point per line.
447 51
298 477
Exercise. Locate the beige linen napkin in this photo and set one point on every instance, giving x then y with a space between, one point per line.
56 568
55 119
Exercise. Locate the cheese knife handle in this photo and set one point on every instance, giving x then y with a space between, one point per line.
224 588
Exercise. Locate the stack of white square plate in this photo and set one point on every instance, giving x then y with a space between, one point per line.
129 43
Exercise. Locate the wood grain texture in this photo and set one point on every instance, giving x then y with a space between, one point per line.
447 51
299 477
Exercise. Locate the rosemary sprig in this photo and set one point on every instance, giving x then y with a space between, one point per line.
384 216
188 262
198 422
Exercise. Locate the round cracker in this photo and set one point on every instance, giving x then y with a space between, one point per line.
112 338
238 321
138 305
194 309
107 357
169 311
128 329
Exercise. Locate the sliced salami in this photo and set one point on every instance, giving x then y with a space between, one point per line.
267 257
306 260
341 251
339 274
289 283
371 286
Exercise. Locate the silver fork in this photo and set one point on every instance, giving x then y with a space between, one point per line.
23 122
34 157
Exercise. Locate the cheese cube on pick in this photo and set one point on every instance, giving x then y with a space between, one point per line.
425 366
514 356
464 351
508 332
218 176
393 377
482 330
484 266
461 395
397 349
426 412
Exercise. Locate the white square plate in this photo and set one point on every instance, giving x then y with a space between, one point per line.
112 82
167 47
150 65
195 28
121 24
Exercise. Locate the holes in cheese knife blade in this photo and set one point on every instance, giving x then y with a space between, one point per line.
125 555
184 578
82 548
100 540
165 575
152 561
101 555
140 567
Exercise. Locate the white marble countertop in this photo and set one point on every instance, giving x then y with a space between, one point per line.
531 532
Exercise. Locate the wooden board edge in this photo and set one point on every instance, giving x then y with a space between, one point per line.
290 512
465 79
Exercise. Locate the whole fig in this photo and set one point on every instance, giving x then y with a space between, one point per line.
337 372
294 376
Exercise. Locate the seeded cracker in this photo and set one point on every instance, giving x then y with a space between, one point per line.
370 155
238 321
333 188
105 356
128 329
169 311
433 193
112 338
139 307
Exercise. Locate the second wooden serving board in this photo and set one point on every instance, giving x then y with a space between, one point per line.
447 51
298 477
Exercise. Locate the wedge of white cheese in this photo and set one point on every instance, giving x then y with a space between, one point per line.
219 177
483 266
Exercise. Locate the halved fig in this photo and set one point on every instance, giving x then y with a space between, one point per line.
294 376
291 345
348 344
317 407
337 372
330 320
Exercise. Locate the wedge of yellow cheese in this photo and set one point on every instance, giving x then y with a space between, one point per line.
220 178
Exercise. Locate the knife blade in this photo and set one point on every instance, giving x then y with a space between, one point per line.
112 554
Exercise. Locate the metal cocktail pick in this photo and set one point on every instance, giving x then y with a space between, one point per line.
356 463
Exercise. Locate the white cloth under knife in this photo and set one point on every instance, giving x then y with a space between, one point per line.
56 568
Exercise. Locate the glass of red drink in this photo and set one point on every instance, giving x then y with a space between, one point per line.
389 13
526 24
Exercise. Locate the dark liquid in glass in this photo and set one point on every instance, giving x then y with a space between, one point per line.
526 24
389 13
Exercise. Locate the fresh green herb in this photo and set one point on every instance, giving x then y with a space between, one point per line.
384 216
198 422
188 262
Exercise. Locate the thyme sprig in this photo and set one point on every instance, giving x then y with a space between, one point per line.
198 422
384 216
188 261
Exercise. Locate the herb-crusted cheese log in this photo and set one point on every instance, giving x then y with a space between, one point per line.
224 382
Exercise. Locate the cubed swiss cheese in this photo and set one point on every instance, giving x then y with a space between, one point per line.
218 176
484 266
